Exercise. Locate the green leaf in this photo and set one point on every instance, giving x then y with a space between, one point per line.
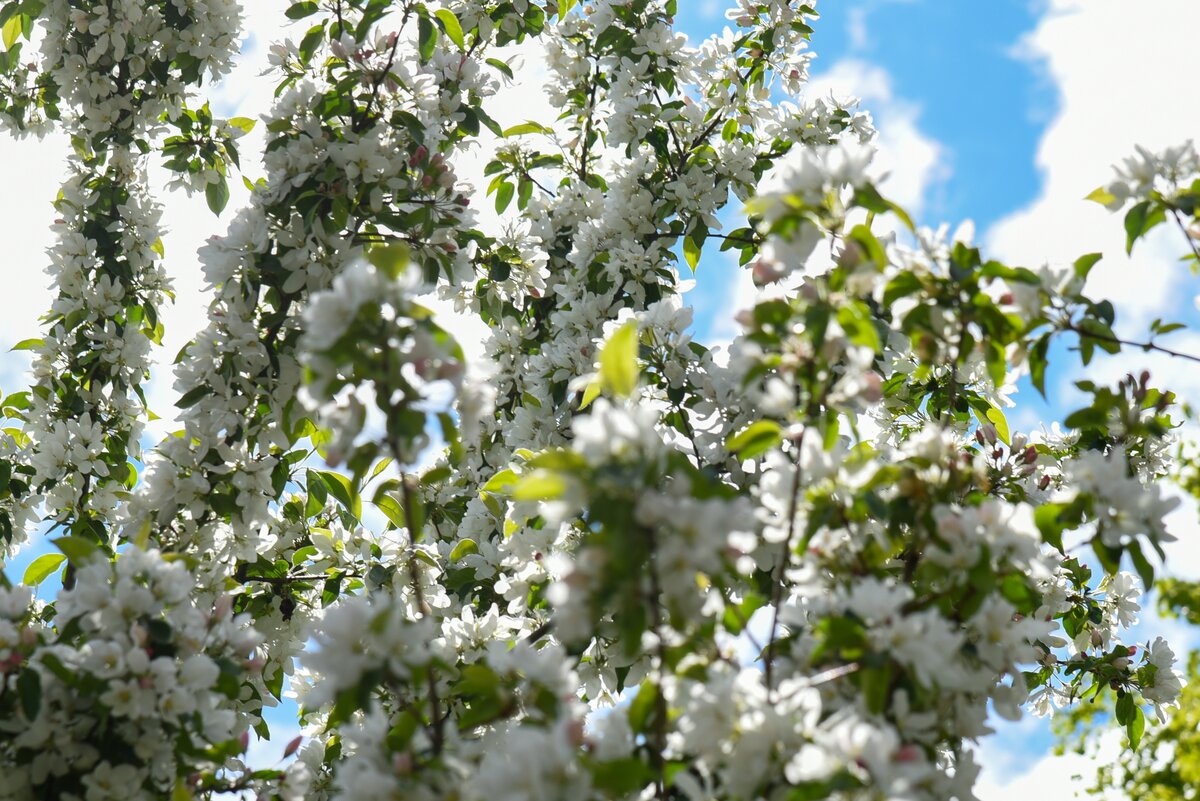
527 128
1141 563
1084 264
301 10
41 568
193 395
590 393
391 509
1136 727
243 124
500 65
343 490
1047 518
29 688
1038 361
642 706
311 41
504 196
1124 709
997 418
426 38
27 344
379 467
618 361
390 259
1139 220
756 439
217 195
182 791
500 483
691 252
462 549
540 485
451 26
79 551
12 29
1101 195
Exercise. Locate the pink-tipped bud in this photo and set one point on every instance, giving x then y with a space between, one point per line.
1044 482
766 272
1031 455
418 156
575 732
244 742
293 746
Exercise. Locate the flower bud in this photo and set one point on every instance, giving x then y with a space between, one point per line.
293 746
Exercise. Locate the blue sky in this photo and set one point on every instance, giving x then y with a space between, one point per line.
955 61
1005 112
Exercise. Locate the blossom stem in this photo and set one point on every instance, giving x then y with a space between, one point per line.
785 554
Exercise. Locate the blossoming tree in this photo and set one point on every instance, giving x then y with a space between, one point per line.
605 561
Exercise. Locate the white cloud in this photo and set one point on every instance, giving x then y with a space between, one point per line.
914 161
1006 776
856 28
34 171
1116 71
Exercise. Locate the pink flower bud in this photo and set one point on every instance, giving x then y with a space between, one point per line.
244 741
293 746
989 433
766 272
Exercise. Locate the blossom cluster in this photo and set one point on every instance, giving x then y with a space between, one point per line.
131 688
609 562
